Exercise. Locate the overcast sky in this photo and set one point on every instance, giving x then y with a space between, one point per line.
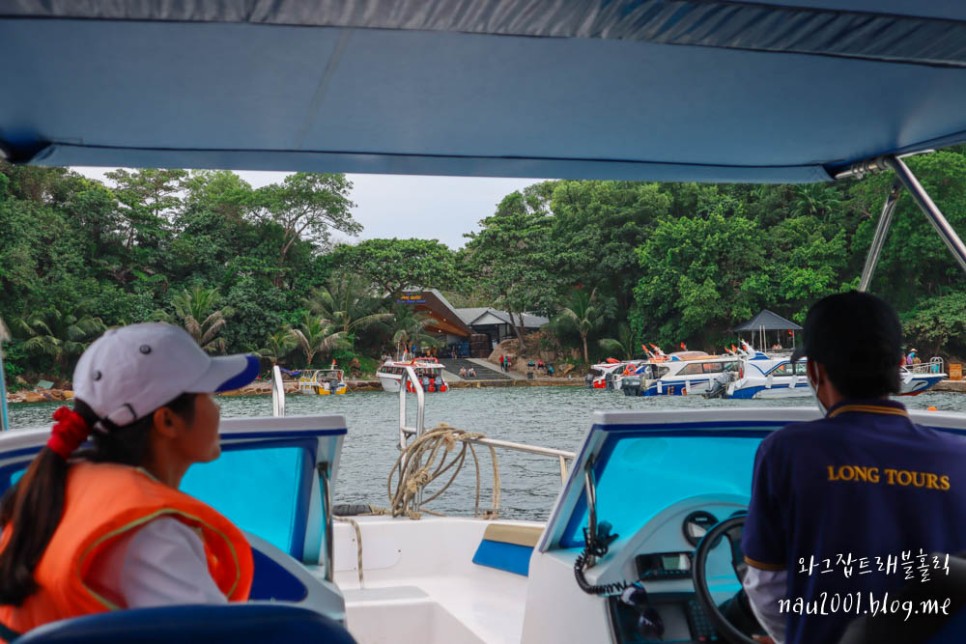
442 208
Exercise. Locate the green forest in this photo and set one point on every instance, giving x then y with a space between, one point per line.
612 263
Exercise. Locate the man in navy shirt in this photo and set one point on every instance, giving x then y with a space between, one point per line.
850 507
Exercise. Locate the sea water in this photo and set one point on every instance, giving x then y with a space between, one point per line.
557 417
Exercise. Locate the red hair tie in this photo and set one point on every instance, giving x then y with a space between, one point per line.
68 433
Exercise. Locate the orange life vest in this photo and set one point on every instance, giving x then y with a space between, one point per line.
104 502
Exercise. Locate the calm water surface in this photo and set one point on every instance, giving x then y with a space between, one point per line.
548 416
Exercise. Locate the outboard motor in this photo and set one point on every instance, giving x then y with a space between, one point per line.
719 385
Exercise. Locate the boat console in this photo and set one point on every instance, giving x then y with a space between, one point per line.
643 491
647 528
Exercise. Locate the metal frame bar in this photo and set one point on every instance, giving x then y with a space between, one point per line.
409 375
932 212
904 177
878 241
278 392
323 471
590 489
4 336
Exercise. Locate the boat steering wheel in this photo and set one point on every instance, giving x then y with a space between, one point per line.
730 529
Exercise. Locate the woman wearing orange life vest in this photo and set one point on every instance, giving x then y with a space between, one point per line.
107 528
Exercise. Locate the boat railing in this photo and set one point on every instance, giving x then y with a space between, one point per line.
934 366
409 377
407 432
278 392
564 457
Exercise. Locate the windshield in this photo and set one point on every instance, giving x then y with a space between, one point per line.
639 475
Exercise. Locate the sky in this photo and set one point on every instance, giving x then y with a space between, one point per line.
441 208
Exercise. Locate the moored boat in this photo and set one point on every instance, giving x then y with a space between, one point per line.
761 376
323 382
604 373
428 371
917 378
682 373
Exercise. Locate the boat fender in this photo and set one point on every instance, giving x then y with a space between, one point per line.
444 387
409 387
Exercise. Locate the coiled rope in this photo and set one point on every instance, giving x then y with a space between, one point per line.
417 468
438 453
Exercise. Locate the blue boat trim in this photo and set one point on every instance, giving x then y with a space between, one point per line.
273 583
509 557
282 434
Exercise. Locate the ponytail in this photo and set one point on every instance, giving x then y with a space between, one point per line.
34 506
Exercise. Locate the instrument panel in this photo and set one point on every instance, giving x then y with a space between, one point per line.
660 558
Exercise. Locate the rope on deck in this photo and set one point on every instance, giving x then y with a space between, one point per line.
358 530
438 452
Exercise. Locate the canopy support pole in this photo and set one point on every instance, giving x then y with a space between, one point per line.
4 418
932 212
878 241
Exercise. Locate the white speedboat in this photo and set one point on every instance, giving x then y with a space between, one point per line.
761 376
762 92
604 374
682 373
917 378
427 371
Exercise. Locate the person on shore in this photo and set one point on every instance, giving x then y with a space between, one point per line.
462 372
471 373
885 486
105 528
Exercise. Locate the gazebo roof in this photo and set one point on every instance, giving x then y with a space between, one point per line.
769 322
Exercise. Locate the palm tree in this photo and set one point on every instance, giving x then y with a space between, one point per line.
585 314
317 335
58 335
816 200
624 345
409 327
198 309
278 345
349 304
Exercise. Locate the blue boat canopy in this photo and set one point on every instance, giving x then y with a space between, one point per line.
756 91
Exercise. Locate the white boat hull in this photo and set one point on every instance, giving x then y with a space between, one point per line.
390 382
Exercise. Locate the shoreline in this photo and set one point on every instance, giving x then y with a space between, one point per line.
263 388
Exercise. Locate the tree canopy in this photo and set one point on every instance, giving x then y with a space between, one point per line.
255 269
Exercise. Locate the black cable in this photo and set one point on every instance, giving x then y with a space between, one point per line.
599 590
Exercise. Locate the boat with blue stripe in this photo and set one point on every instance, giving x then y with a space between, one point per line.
761 376
682 373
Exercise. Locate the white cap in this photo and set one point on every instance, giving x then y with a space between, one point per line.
130 372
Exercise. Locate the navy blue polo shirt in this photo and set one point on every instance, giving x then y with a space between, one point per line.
837 502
